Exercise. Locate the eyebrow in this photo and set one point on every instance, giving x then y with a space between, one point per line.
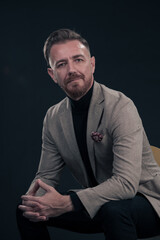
78 55
73 57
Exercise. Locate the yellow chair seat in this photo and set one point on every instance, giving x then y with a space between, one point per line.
156 153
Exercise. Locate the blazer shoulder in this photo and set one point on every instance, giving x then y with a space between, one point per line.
114 97
119 107
58 108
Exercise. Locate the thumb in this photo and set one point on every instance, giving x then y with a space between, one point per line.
34 189
43 185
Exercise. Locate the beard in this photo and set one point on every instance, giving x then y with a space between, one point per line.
76 92
74 89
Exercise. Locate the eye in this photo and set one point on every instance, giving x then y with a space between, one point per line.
61 65
79 60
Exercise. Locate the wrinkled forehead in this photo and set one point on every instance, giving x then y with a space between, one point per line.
67 49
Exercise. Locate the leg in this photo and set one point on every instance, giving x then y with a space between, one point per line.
129 219
73 221
116 221
145 218
76 222
125 219
29 230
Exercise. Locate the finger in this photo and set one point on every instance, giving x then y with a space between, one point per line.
32 204
38 219
31 215
24 202
34 189
25 209
29 198
44 185
34 216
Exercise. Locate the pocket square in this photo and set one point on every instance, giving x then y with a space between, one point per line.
96 136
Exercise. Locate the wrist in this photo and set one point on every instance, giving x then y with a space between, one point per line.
68 205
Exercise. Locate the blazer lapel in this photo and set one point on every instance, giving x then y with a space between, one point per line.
69 134
94 119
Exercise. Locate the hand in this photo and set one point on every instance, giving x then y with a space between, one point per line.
52 204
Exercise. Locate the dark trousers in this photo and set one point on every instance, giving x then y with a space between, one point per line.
125 219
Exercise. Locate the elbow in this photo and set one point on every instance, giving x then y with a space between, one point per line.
130 189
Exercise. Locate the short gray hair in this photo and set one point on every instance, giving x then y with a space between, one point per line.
60 36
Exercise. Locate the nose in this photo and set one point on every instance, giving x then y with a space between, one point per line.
71 68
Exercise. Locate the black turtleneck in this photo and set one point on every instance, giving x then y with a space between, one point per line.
80 115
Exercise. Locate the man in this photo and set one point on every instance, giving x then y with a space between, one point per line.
98 134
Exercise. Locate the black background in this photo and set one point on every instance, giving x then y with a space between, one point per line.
124 36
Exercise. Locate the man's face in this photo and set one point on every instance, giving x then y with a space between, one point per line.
72 68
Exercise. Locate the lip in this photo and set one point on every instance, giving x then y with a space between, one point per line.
74 80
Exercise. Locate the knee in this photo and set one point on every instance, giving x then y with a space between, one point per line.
114 211
116 220
18 211
19 215
109 209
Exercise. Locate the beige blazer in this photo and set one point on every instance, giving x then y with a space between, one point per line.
122 163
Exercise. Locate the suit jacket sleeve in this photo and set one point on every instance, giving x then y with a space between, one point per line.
51 164
126 130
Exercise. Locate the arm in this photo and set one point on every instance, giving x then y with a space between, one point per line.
127 134
49 172
51 164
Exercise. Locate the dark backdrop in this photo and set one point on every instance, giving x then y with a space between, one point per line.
124 37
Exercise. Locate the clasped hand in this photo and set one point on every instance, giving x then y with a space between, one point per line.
51 204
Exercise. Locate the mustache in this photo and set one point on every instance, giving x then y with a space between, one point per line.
73 77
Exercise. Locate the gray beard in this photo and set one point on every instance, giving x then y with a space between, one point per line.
76 94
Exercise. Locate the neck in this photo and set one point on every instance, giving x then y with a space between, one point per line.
83 102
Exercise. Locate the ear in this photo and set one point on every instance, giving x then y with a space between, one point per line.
51 74
93 64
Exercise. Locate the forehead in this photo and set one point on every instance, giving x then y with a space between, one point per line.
67 49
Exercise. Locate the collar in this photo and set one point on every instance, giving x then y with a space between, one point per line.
83 103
